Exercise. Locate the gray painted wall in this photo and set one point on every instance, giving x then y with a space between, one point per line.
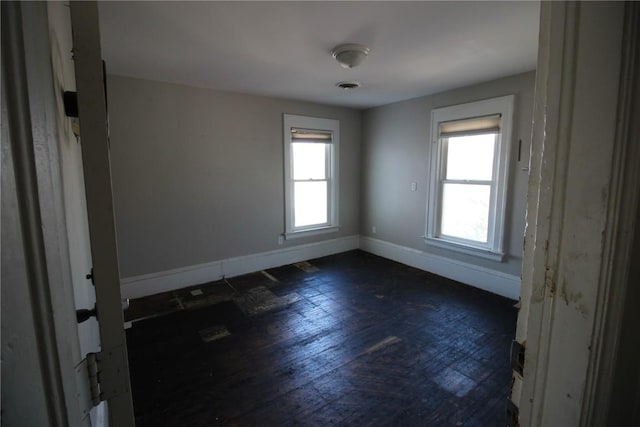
198 173
396 153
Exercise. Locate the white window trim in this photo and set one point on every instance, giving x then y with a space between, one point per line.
311 123
494 248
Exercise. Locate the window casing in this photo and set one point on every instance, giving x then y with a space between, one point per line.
469 173
311 147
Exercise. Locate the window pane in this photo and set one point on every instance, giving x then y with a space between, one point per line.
309 160
471 157
310 203
465 211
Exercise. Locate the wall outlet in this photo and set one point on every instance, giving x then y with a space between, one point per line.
280 239
374 230
414 186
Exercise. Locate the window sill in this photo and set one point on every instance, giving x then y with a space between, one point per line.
465 249
310 232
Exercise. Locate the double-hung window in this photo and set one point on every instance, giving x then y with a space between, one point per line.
311 169
469 171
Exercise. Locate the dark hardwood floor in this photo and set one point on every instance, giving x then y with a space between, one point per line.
346 340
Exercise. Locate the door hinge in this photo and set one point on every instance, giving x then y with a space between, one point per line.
94 382
102 376
91 277
517 357
513 414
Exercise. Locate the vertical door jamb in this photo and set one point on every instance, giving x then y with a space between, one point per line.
575 227
26 179
95 157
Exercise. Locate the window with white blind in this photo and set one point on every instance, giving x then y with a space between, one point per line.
469 172
311 175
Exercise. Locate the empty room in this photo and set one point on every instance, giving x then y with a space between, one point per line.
234 151
319 213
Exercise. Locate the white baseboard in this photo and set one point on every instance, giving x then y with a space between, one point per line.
490 280
497 282
149 284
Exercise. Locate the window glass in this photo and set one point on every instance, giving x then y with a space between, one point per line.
309 160
465 211
310 203
470 157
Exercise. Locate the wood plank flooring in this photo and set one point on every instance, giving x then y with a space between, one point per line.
355 340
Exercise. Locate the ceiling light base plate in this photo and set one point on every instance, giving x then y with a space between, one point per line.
350 55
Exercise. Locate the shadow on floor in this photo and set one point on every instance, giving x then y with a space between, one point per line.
349 339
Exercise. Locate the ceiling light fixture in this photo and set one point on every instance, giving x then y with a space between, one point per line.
348 85
350 55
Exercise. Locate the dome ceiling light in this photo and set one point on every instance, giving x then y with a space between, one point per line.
350 55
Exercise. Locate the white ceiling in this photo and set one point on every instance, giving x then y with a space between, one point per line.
282 49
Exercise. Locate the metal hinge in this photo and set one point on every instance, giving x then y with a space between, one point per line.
94 382
513 415
517 357
517 364
102 376
91 277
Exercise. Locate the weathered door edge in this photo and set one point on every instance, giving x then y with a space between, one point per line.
556 322
552 103
97 172
622 213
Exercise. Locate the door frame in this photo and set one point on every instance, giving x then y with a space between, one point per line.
90 83
583 196
32 113
31 109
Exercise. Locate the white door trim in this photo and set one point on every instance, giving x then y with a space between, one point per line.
32 112
623 213
574 213
97 172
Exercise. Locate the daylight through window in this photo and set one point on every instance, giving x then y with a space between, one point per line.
310 175
468 176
